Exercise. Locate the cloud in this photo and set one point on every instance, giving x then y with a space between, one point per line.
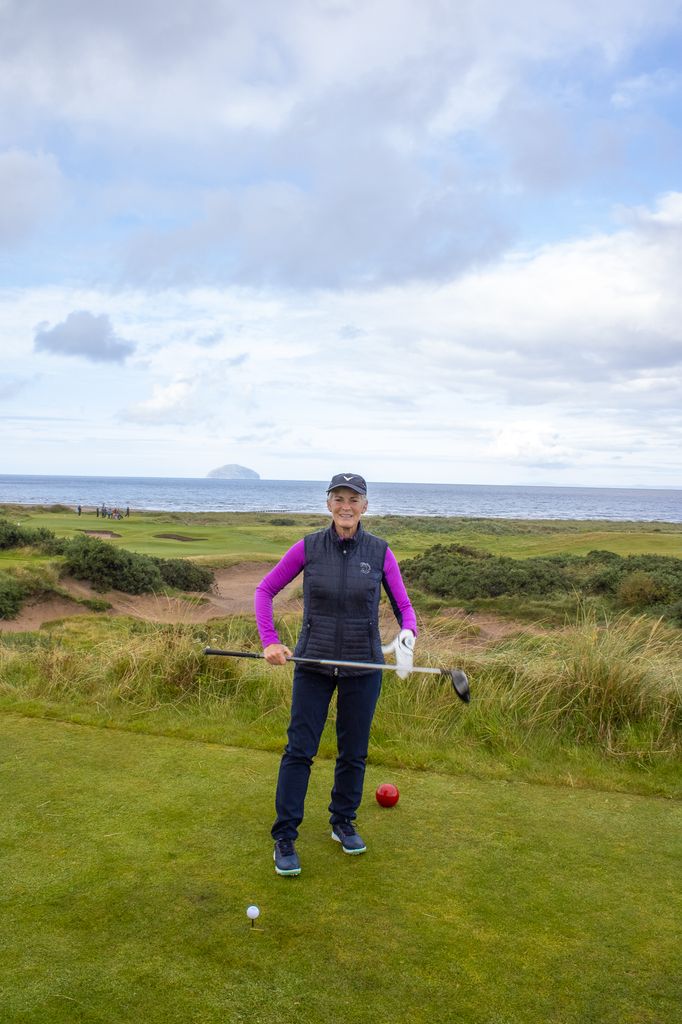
10 386
30 187
280 167
546 364
170 403
383 223
534 444
240 67
86 335
655 85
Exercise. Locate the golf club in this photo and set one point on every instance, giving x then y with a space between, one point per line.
455 676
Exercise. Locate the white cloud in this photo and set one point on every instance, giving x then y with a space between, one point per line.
170 403
30 187
661 83
83 334
336 227
11 386
240 66
563 363
534 444
308 145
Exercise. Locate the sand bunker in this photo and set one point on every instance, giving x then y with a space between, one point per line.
107 534
176 536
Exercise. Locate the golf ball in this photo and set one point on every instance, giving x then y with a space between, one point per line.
387 794
252 913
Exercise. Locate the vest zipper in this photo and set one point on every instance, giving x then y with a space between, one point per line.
342 597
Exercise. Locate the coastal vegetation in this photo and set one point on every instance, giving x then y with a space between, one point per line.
138 782
644 583
586 686
86 558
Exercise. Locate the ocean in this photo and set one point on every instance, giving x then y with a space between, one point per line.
475 501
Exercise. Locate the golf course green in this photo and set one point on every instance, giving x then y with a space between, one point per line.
529 874
128 863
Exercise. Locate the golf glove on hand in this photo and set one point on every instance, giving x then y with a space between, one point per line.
403 648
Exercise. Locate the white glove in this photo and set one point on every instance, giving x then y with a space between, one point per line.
403 648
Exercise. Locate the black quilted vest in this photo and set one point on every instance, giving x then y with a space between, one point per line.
341 592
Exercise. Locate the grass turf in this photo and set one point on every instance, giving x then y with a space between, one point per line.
223 538
128 862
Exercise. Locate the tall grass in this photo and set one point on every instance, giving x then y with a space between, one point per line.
610 687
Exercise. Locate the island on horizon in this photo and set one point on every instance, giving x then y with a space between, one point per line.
233 472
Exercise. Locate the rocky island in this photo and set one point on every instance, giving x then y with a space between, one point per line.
233 472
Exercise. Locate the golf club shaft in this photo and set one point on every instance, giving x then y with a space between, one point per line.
325 661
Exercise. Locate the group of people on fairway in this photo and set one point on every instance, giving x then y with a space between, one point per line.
344 569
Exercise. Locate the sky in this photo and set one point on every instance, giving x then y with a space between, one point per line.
422 240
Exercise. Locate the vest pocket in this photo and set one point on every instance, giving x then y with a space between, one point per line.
304 638
317 637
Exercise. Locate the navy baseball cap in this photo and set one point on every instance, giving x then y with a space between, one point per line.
351 480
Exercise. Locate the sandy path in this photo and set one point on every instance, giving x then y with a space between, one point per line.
232 594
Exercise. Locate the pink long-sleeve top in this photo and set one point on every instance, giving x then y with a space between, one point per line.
293 562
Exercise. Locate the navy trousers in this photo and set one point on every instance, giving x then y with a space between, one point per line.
356 702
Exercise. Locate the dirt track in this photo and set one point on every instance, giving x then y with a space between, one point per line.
232 594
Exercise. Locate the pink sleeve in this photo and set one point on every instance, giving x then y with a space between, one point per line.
287 569
397 595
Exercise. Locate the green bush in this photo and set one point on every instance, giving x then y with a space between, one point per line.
12 595
11 536
14 536
458 571
108 567
184 575
111 568
640 589
639 582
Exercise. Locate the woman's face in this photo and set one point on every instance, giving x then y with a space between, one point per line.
346 507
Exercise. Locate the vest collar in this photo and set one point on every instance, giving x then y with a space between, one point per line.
343 540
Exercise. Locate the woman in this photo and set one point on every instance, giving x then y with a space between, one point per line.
344 568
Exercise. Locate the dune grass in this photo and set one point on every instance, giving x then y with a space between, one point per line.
598 703
128 862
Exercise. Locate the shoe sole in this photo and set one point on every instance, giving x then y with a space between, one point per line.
351 853
292 871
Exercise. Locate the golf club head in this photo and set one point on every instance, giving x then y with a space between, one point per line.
460 683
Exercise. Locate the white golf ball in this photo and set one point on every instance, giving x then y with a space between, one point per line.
252 913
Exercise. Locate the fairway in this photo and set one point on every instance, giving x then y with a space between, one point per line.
128 862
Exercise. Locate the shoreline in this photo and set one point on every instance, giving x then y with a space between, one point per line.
226 515
452 501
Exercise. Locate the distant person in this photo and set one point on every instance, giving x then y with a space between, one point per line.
127 511
97 511
79 510
343 569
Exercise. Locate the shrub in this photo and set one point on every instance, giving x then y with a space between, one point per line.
637 581
458 571
184 575
639 589
15 536
111 568
107 567
11 536
12 595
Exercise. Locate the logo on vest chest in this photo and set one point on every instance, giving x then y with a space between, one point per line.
365 567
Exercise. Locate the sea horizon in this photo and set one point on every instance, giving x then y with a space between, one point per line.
206 494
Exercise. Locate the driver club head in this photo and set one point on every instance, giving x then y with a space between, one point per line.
460 683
